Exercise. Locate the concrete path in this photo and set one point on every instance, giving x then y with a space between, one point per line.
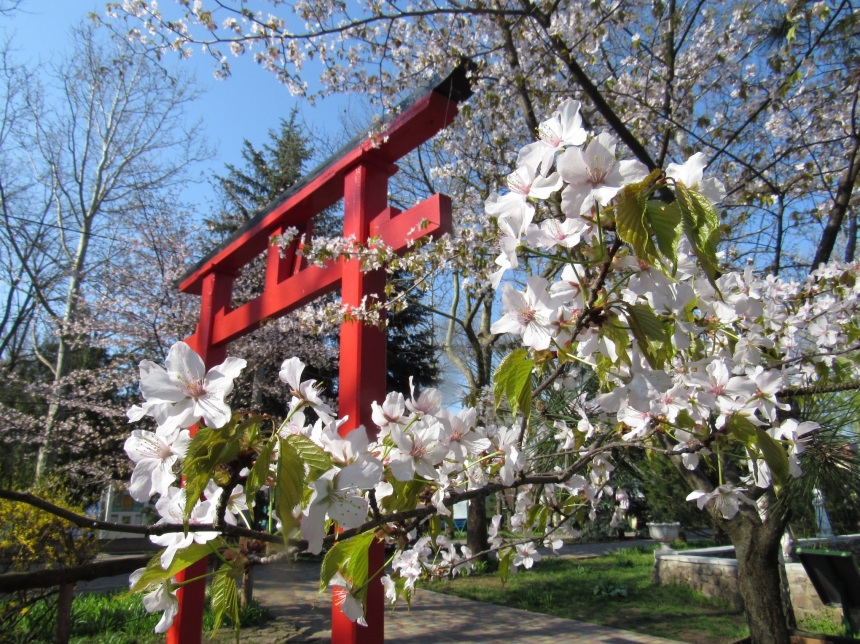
291 593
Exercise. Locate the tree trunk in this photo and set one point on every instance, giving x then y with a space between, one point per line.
757 543
476 525
757 550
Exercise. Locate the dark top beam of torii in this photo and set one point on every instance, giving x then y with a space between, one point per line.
359 174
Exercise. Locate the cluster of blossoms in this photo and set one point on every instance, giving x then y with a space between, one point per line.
421 455
681 354
677 349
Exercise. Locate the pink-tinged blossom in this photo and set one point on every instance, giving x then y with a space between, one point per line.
792 432
595 176
184 392
522 183
391 412
767 386
429 402
725 499
514 459
339 500
552 233
527 313
686 440
527 555
171 508
154 457
690 174
304 393
236 504
563 128
346 601
719 391
163 598
493 532
418 451
462 439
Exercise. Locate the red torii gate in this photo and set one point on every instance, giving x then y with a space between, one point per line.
359 174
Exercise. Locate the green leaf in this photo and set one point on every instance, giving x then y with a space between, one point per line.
225 598
208 448
155 574
630 224
665 219
774 455
513 380
506 559
260 470
435 527
351 558
290 484
317 460
701 226
405 496
742 429
650 334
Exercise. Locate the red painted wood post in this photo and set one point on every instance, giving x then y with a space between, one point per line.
362 374
216 297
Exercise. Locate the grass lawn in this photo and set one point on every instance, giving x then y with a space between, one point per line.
107 619
593 590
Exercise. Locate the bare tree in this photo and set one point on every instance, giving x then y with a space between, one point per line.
106 142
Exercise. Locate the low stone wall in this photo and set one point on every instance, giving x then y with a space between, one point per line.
714 573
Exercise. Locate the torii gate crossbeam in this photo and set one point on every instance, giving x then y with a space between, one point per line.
359 174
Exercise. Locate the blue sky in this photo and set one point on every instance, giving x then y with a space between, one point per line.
246 106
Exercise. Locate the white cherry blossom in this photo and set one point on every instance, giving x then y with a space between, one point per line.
184 392
562 129
594 176
527 313
154 457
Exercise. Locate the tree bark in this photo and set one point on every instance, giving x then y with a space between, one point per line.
476 525
840 207
757 548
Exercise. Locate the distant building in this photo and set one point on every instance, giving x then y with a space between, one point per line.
117 506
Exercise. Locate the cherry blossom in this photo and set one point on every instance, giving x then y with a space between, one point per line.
594 176
527 555
155 457
562 129
171 507
690 174
527 313
342 501
186 390
725 499
162 598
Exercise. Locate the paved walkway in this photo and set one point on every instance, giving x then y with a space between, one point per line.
291 593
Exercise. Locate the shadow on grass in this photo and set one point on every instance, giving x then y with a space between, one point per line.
615 591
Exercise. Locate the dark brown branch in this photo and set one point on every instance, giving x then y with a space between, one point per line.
564 53
15 581
144 530
840 207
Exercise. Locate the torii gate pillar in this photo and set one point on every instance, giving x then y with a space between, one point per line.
360 176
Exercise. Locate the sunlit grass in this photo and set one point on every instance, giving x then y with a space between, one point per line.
593 590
